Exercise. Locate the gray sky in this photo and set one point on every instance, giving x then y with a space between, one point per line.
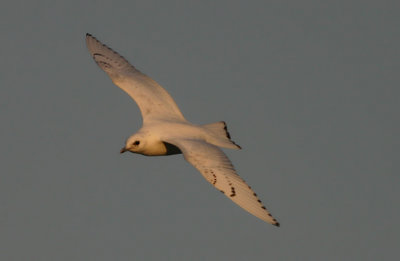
309 89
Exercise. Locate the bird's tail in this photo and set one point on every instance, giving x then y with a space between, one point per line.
219 135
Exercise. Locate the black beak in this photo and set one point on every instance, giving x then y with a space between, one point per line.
123 150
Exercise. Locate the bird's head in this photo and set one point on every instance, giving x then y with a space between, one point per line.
134 143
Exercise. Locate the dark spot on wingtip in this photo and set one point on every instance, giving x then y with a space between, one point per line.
277 224
103 65
98 54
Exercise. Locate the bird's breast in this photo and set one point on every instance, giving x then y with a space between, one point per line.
161 149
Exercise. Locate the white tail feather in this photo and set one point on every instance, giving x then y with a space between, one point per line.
219 135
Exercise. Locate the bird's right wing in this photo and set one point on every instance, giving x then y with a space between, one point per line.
154 101
216 168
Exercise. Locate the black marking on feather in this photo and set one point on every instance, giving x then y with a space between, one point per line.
99 54
233 192
215 178
228 135
116 53
212 180
226 130
102 64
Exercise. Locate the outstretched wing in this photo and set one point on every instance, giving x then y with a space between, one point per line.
217 169
154 101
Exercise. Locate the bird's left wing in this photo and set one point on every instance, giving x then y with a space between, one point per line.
153 100
216 168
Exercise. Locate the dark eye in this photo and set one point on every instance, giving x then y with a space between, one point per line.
136 143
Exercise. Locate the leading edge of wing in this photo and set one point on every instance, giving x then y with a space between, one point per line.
153 100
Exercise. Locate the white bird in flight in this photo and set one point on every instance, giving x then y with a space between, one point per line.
166 132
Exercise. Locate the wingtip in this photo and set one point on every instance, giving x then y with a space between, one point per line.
277 224
88 35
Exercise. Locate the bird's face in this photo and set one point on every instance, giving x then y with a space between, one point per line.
133 144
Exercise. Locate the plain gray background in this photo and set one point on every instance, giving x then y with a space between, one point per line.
309 89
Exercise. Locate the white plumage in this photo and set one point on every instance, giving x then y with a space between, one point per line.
165 131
